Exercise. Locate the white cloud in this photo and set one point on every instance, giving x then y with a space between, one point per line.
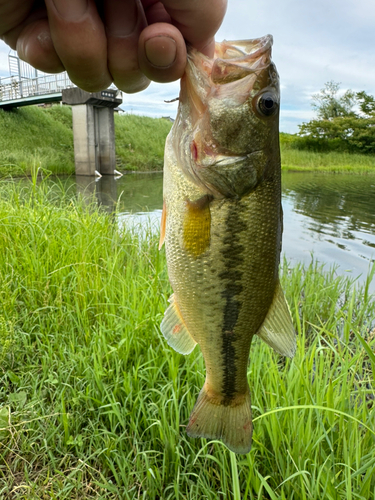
314 42
152 100
297 114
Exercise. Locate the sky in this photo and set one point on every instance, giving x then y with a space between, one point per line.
315 41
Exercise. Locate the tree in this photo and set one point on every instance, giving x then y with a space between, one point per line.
337 126
366 103
329 105
344 133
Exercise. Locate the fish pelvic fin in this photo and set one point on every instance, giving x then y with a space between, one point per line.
277 329
175 331
230 423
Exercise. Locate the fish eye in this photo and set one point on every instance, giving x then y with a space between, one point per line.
267 104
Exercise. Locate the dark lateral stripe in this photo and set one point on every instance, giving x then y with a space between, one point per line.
233 256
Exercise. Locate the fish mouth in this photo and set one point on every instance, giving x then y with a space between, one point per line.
232 60
237 59
243 48
233 72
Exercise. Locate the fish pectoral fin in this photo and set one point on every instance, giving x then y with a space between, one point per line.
277 329
175 331
197 225
162 225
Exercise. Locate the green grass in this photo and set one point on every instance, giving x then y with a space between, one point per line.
34 137
140 142
94 404
310 161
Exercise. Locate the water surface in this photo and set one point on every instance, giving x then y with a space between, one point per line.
332 217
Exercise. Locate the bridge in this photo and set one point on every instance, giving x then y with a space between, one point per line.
93 115
27 85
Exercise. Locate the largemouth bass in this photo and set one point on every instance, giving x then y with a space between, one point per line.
222 226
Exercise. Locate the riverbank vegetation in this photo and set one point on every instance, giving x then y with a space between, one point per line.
345 122
295 158
340 139
94 404
35 137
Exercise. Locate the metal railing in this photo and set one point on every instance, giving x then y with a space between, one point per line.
25 81
14 87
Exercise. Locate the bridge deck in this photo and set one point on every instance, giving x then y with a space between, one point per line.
18 91
27 101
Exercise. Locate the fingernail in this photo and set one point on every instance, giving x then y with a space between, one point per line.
120 18
161 51
71 10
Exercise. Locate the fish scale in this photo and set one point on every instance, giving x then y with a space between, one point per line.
222 225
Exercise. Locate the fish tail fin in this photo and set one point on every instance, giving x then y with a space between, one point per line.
229 423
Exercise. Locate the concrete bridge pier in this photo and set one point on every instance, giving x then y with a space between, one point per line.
93 129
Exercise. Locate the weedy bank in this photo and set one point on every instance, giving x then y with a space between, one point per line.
34 137
94 404
300 160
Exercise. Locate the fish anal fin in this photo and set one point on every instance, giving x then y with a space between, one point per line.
277 329
175 331
162 225
197 225
230 423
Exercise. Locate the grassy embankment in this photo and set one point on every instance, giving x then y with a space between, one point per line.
93 402
294 159
35 137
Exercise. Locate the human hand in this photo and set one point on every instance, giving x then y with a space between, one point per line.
128 42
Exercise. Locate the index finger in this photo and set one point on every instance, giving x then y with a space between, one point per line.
80 41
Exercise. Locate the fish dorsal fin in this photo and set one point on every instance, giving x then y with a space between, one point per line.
277 329
175 331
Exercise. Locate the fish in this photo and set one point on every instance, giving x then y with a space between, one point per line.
222 227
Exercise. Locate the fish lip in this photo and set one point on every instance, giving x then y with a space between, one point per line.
232 61
237 52
250 49
245 49
227 190
226 160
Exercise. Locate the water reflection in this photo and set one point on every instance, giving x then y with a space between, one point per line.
331 216
137 198
103 190
344 202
